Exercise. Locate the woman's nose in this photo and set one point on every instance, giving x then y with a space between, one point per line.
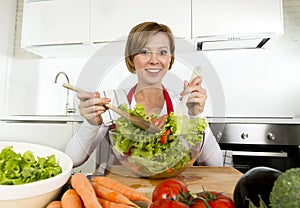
153 58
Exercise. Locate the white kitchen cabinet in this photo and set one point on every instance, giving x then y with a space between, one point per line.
66 28
233 24
52 134
55 22
112 20
235 16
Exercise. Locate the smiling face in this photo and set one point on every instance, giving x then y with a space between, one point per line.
153 61
139 37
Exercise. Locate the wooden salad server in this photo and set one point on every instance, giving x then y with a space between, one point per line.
137 121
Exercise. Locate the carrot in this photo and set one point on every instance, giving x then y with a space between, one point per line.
111 195
54 204
109 204
70 199
114 185
85 190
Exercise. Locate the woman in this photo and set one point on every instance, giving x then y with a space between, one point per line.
149 54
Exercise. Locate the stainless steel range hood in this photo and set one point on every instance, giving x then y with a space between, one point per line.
227 42
236 24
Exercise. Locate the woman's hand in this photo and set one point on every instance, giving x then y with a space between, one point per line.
159 122
91 106
197 97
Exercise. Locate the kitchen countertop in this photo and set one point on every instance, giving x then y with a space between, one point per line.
78 118
41 118
255 120
220 179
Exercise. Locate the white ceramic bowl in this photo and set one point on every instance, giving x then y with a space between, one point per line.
36 194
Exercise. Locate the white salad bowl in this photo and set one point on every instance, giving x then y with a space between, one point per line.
39 193
166 161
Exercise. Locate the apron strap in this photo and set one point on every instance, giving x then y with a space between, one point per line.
166 95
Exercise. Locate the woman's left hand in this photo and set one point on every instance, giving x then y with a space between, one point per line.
197 97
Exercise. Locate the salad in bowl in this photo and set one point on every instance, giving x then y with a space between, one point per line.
160 155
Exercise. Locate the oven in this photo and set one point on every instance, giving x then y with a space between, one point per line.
259 144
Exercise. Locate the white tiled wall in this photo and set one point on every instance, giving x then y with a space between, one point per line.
7 19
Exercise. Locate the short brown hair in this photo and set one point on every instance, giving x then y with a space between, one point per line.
138 38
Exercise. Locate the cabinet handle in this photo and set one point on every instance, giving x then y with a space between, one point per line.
34 1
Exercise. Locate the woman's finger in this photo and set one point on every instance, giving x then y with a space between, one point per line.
87 95
91 106
196 81
186 88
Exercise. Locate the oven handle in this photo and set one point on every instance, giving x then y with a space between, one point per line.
263 154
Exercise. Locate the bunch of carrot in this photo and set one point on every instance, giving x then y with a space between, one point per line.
99 192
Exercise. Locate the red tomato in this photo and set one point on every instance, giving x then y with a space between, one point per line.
113 127
213 200
168 189
164 138
168 203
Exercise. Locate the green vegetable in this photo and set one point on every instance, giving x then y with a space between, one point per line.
261 203
286 190
20 169
145 149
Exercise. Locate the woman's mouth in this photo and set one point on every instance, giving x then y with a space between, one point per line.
153 70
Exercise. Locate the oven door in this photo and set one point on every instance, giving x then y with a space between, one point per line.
259 144
245 160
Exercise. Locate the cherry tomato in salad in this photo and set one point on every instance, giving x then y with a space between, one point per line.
169 189
164 138
113 128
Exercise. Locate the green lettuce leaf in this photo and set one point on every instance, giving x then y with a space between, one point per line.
20 169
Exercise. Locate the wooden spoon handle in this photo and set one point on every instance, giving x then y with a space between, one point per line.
115 109
71 87
148 126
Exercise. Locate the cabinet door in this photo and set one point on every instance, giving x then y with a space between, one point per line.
112 20
219 17
52 22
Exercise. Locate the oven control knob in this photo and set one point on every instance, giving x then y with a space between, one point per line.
244 135
270 136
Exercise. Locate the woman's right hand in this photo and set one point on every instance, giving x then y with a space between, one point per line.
91 106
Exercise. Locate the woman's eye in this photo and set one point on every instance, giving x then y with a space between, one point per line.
164 52
145 52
